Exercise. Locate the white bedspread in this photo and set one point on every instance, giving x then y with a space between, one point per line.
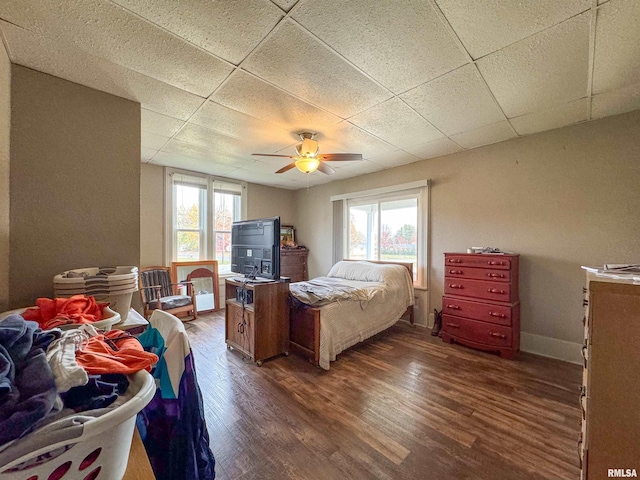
346 322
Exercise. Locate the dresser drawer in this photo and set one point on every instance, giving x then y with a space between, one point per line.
477 273
293 259
480 332
486 312
496 291
496 262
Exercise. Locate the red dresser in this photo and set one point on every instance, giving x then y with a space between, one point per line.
480 306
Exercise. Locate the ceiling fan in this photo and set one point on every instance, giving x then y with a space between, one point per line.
308 158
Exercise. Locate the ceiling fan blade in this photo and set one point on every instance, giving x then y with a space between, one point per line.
324 168
287 168
335 157
272 155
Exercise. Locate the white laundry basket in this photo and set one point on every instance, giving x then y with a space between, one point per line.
91 448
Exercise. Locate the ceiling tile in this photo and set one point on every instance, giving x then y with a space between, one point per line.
347 138
498 132
285 4
69 62
436 148
556 117
213 26
394 159
158 123
401 44
355 169
487 26
395 122
247 94
147 154
540 71
213 141
111 33
202 152
298 63
260 178
268 165
616 102
455 102
152 140
258 135
617 53
191 163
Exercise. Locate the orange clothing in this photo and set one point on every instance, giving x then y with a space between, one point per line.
63 311
114 351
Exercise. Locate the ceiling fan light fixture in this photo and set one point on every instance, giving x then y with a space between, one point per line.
307 164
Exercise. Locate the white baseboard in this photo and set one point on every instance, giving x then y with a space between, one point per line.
551 347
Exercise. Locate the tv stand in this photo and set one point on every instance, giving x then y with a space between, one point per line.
260 329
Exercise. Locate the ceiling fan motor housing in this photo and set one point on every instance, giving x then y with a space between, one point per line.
308 148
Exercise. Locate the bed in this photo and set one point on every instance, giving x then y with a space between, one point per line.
368 298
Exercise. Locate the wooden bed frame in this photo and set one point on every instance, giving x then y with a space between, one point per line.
304 321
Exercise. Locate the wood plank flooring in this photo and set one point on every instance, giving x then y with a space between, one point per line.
402 405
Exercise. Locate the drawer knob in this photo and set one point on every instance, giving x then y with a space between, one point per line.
453 325
494 262
497 335
454 260
496 314
455 272
453 307
496 290
455 285
585 302
495 275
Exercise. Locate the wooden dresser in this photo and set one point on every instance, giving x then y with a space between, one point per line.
610 394
293 264
481 306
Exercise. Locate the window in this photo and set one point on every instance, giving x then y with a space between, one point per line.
202 211
387 224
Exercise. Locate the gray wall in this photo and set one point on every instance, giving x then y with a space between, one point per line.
5 121
152 222
561 199
75 181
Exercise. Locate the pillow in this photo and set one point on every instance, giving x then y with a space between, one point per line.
362 271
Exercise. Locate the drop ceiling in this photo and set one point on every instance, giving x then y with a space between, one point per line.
396 80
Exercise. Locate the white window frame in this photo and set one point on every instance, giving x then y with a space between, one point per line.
418 190
211 185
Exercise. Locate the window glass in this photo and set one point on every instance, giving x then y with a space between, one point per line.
203 211
189 209
399 231
384 229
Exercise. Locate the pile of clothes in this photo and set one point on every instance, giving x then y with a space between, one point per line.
52 313
46 374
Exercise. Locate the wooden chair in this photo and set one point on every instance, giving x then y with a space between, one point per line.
158 291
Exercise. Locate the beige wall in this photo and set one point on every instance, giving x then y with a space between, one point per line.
561 199
263 202
75 181
5 121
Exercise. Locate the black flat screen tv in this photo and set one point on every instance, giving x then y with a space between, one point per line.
255 248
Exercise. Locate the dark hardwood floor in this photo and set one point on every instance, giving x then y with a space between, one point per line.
402 405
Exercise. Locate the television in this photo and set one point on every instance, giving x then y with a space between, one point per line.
255 248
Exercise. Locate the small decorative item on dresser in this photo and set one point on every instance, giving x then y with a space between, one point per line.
480 306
